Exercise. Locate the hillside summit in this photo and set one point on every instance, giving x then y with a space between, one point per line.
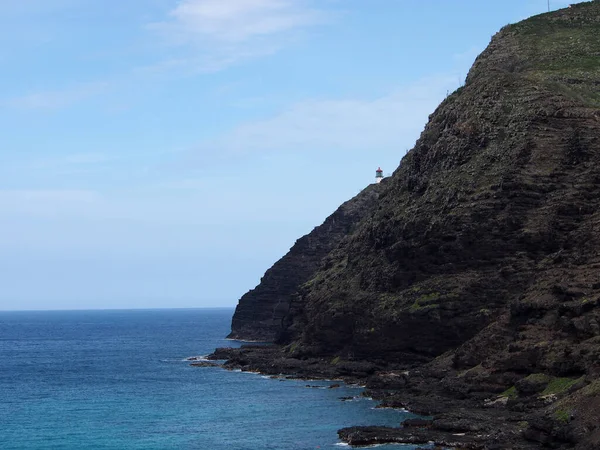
467 285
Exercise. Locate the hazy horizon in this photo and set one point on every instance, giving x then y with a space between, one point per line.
115 309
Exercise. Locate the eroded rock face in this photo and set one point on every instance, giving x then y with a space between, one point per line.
479 264
492 218
261 312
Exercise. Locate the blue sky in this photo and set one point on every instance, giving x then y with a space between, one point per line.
164 153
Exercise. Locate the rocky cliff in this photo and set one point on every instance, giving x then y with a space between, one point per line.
263 313
480 264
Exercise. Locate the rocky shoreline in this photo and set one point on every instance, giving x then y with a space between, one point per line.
452 420
466 285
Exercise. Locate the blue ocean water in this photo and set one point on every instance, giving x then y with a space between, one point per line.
119 380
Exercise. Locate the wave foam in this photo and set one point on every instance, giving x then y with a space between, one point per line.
196 358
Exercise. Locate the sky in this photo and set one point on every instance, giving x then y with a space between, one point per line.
165 153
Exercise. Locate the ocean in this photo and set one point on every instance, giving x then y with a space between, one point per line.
119 380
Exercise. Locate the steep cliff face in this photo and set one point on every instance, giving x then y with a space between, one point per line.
482 253
261 314
495 206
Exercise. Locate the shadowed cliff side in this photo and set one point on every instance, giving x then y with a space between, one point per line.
484 252
478 264
496 204
260 313
481 255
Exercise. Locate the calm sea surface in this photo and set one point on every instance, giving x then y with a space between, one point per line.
119 380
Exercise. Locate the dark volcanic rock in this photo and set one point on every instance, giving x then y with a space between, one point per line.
416 423
363 436
277 360
261 312
205 364
468 285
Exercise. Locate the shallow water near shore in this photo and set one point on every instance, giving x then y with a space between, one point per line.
119 380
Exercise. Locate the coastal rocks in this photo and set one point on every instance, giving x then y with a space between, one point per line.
276 360
466 428
205 364
460 422
467 288
417 423
388 380
201 361
365 436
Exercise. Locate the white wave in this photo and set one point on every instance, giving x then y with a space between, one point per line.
248 341
171 360
390 408
197 358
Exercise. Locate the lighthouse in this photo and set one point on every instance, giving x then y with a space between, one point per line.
378 175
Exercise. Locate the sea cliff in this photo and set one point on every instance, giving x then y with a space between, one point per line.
467 286
263 313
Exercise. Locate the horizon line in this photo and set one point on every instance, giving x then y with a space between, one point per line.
116 309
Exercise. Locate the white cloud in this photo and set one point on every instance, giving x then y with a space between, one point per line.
237 20
57 99
213 60
215 34
338 125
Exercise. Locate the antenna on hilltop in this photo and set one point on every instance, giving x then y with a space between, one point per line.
548 5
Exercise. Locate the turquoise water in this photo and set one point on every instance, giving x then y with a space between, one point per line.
119 380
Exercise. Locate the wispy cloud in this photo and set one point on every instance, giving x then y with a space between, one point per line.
57 99
236 20
46 202
221 33
339 125
211 60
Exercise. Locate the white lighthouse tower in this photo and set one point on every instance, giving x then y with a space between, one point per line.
378 175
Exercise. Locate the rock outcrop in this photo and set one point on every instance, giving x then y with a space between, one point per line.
479 265
262 313
493 214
